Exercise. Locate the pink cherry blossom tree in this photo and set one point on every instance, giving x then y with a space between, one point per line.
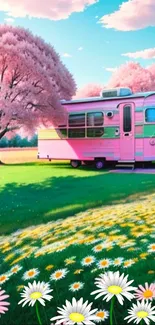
89 90
32 81
151 69
134 76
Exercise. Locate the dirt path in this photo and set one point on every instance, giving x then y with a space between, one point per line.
18 155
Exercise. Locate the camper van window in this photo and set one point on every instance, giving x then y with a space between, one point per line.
126 119
150 115
62 132
95 132
95 119
76 120
76 133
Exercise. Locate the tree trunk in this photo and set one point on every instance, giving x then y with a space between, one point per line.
2 133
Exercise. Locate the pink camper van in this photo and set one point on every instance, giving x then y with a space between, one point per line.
118 126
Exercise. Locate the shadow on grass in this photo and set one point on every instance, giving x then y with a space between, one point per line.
40 163
23 205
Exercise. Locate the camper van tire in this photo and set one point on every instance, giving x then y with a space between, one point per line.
75 163
99 164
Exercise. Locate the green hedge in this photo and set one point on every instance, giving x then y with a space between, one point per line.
17 141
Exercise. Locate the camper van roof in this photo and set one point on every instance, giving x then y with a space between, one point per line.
98 99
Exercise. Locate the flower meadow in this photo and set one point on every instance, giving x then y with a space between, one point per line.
94 267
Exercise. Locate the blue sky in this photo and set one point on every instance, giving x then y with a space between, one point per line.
102 47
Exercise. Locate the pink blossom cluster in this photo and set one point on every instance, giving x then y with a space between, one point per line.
32 81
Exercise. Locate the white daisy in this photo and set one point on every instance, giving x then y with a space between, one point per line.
118 261
4 278
15 269
60 249
59 274
151 248
128 263
76 312
113 284
76 286
141 311
98 248
102 314
32 273
88 260
35 292
104 263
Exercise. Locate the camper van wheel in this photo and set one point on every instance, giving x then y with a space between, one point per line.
75 163
99 164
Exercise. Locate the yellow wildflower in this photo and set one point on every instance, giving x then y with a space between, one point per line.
130 249
69 261
151 272
20 287
49 267
78 271
143 255
9 257
19 259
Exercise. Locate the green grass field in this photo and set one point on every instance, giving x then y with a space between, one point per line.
52 217
33 193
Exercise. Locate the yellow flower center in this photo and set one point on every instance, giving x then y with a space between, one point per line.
104 263
127 263
31 273
76 317
115 290
98 248
35 295
116 261
148 294
76 285
88 260
14 270
2 278
153 247
58 274
100 314
142 314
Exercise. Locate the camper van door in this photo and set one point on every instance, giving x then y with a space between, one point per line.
127 137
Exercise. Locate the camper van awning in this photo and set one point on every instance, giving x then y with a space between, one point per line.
100 99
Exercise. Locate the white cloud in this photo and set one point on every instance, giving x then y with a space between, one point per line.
9 20
50 9
144 54
110 69
80 48
131 15
66 55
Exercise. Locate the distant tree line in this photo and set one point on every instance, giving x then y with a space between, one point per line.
17 141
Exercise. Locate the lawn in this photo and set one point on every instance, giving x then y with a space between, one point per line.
53 217
35 193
